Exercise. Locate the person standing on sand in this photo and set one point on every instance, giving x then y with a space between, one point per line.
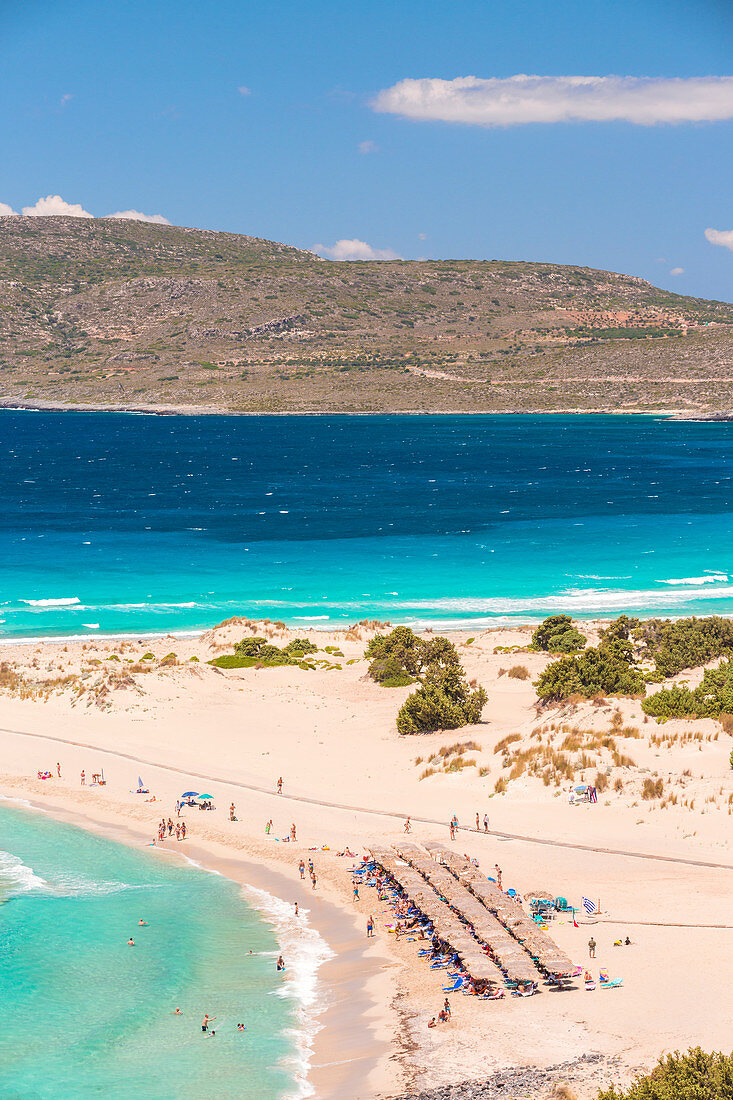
486 823
592 948
313 880
408 826
497 868
478 826
231 813
370 928
296 908
292 831
280 785
301 868
178 807
83 779
452 831
58 771
356 891
183 830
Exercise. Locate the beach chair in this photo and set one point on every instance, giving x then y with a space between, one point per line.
609 983
455 987
527 989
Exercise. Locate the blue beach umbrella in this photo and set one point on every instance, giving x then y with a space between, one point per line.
190 794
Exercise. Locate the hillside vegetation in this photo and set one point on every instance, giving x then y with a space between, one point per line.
122 313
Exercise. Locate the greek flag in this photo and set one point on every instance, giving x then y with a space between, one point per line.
589 906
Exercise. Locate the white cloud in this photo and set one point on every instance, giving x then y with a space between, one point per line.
136 216
5 210
54 204
365 147
355 250
66 98
521 99
244 90
722 237
677 271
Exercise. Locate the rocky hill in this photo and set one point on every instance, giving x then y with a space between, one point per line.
130 314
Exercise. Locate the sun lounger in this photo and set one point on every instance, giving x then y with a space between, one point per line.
456 986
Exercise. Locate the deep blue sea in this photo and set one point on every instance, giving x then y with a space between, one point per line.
117 523
84 1015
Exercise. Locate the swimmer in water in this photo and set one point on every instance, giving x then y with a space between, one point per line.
241 1027
142 923
280 962
206 1021
131 942
177 1012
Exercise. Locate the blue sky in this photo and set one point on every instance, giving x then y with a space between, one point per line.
137 106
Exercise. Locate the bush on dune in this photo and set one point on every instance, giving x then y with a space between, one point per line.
443 700
695 1075
713 697
605 670
558 635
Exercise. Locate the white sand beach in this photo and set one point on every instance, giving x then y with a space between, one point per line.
661 868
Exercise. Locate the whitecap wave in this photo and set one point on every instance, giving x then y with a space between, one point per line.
712 578
16 877
304 951
64 601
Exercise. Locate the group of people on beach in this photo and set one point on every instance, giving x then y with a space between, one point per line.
443 1016
168 828
311 872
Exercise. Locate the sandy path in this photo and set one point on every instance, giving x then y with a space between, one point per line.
400 816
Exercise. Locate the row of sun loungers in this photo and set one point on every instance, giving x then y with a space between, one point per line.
447 924
503 948
542 949
486 928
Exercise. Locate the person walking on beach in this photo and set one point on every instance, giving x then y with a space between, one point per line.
301 868
58 771
478 824
296 908
486 823
370 928
408 826
178 807
292 831
452 830
592 948
497 869
313 880
178 832
356 891
183 830
83 779
231 813
280 785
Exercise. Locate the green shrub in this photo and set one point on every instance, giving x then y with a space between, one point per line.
300 646
148 657
557 635
606 670
713 697
695 1075
685 643
443 702
518 672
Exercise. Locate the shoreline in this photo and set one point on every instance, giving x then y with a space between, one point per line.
143 409
349 1035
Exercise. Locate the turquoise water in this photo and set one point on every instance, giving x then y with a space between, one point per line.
115 523
85 1015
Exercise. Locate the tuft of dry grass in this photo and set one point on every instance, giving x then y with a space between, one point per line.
503 745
